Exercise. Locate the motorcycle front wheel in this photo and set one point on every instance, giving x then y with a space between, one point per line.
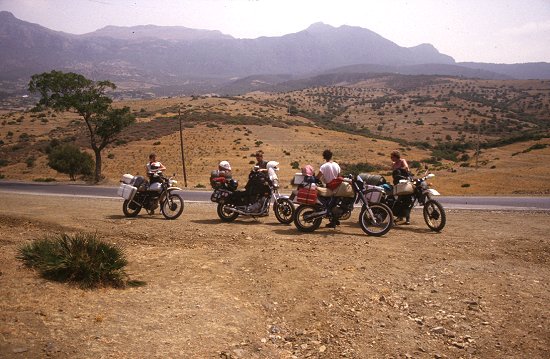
129 212
434 215
380 222
284 210
224 214
304 224
172 206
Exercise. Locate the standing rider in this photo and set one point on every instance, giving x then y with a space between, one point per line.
330 174
260 162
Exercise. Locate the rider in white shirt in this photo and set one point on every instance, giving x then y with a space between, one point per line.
329 173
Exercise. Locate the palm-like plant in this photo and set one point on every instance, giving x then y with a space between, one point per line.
81 258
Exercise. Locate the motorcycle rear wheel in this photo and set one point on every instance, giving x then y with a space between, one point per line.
380 224
128 212
284 210
434 215
303 224
172 206
224 214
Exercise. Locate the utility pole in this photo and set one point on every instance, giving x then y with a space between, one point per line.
477 143
182 155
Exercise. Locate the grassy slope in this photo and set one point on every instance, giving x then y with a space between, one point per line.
208 138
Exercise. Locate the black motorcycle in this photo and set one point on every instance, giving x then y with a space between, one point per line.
409 192
254 201
375 219
161 191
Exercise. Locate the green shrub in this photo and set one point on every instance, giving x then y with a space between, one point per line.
356 168
465 185
30 161
295 165
111 156
156 143
70 160
200 185
81 259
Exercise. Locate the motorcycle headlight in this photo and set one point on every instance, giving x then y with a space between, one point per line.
173 182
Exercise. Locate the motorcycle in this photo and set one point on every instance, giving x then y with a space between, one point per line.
261 189
409 192
139 193
375 218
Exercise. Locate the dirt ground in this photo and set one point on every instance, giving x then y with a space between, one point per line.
259 289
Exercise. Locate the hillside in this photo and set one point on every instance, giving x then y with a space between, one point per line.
150 61
435 121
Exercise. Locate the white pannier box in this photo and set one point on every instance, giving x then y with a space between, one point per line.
298 179
126 191
403 188
127 178
374 194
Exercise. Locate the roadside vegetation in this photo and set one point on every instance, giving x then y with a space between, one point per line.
82 259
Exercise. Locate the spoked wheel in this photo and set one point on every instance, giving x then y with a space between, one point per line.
379 223
434 215
225 214
284 210
172 206
130 209
301 220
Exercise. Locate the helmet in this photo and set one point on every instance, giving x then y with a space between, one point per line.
225 165
272 164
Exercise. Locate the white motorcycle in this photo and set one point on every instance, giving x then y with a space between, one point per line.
402 197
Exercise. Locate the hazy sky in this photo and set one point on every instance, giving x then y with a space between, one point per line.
500 31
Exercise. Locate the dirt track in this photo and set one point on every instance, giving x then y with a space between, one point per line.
258 289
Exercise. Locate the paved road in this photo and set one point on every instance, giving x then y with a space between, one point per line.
58 189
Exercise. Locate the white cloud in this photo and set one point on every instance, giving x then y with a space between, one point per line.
529 28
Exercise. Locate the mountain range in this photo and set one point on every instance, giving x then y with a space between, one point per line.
198 61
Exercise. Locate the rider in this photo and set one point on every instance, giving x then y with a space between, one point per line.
400 167
400 170
152 167
224 170
329 172
260 162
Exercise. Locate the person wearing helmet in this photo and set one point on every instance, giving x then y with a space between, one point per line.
224 169
221 175
154 166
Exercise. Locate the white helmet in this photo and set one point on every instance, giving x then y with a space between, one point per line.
272 164
225 165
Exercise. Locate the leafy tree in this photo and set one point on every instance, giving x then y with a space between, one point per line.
69 159
73 92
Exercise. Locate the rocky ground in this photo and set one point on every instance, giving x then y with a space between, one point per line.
259 289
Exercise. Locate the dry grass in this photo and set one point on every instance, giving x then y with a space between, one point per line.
503 170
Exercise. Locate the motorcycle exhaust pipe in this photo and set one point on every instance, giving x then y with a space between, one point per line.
315 215
244 213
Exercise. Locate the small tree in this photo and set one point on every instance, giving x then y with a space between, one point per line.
70 160
73 92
